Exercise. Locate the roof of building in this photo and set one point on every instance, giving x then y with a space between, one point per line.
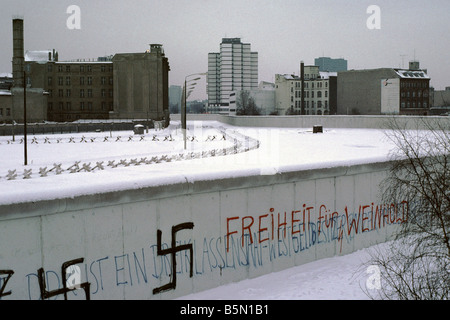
37 56
411 74
327 75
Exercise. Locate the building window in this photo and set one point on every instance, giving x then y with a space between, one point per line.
68 81
50 106
60 68
68 93
60 93
103 105
110 80
67 68
81 93
50 67
61 106
81 81
89 80
81 68
60 81
68 106
81 106
103 68
8 112
89 68
49 81
89 106
319 94
89 93
111 93
103 93
103 80
1 112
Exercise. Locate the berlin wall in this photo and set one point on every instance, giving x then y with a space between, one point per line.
167 241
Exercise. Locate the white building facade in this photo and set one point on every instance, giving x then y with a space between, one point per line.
318 93
263 96
234 68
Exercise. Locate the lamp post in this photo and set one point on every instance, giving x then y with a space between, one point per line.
185 96
25 119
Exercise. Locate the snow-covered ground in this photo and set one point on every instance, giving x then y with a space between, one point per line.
67 165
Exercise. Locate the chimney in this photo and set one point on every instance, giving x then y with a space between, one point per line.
302 78
18 52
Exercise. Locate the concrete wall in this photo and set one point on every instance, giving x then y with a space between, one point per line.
329 121
211 231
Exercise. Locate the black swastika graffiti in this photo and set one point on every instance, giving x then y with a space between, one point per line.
172 251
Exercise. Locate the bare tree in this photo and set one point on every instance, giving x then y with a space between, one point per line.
417 264
246 106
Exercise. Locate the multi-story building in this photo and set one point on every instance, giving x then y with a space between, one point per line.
328 64
441 102
175 93
384 91
126 86
141 85
234 68
319 93
76 90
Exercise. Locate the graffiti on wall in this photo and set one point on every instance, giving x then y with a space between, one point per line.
248 241
173 251
326 227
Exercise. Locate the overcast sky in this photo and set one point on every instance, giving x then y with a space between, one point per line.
283 32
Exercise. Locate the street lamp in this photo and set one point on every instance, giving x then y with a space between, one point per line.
185 96
25 152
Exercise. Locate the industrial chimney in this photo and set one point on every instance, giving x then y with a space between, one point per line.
302 79
18 53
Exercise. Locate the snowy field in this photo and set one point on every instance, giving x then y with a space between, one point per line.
67 165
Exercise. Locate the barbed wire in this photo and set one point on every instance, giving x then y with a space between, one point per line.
240 143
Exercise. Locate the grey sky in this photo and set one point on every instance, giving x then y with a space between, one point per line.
283 32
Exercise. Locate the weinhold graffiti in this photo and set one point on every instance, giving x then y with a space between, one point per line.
64 290
328 225
172 251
